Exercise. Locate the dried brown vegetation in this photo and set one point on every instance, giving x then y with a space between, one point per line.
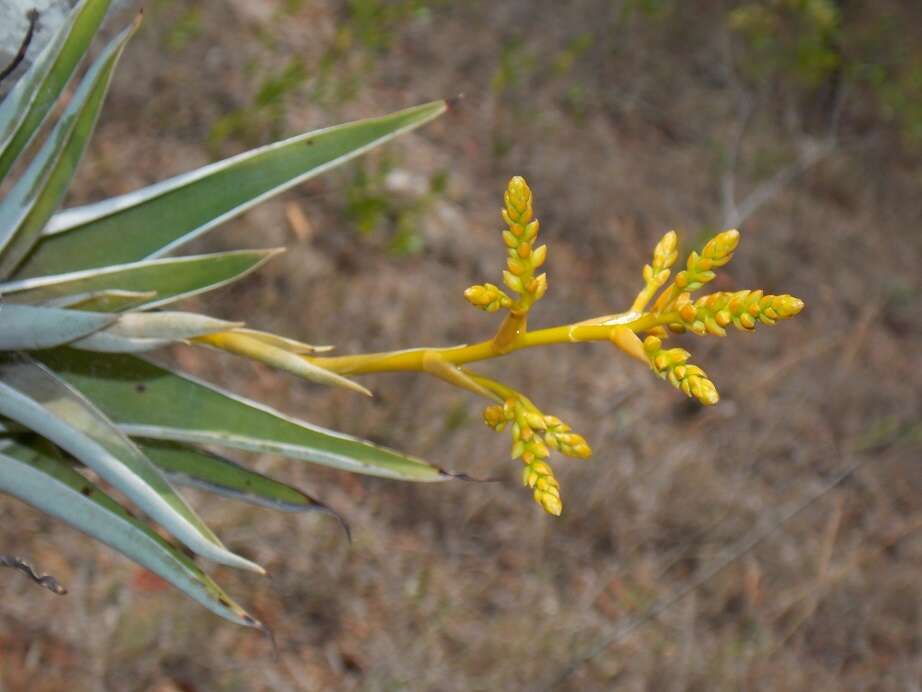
463 586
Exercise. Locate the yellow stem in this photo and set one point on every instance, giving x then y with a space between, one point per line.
640 302
502 391
415 359
512 329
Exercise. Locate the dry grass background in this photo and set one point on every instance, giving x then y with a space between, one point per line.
470 586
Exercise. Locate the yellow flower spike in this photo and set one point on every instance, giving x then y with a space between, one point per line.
672 365
711 313
560 437
698 268
657 273
518 200
494 417
487 297
535 435
522 261
550 501
719 249
539 476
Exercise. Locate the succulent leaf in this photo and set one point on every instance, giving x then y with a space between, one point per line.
135 332
54 487
37 194
185 465
25 327
109 300
35 397
155 220
171 279
149 401
24 109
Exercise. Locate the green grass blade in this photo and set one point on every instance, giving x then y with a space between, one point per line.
28 206
25 327
155 220
30 100
171 278
135 332
148 401
54 487
35 397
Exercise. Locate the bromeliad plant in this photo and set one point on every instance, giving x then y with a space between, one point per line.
83 292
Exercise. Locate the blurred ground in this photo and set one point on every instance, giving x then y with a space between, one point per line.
627 119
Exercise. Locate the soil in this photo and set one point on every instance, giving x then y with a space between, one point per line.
626 124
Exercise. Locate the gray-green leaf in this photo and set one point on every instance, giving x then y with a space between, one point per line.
197 468
35 476
25 327
149 401
37 194
35 397
171 278
25 107
135 332
157 219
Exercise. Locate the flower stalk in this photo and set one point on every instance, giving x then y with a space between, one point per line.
639 331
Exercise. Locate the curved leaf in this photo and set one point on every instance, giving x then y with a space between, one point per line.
152 402
156 220
29 101
25 327
28 206
171 278
242 343
55 488
103 301
282 342
135 332
200 469
36 398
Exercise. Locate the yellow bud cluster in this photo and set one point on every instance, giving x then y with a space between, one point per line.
523 257
487 297
699 268
664 256
518 202
716 253
656 274
710 314
495 417
533 436
672 364
559 436
539 476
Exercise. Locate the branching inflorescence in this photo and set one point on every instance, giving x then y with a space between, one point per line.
659 310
